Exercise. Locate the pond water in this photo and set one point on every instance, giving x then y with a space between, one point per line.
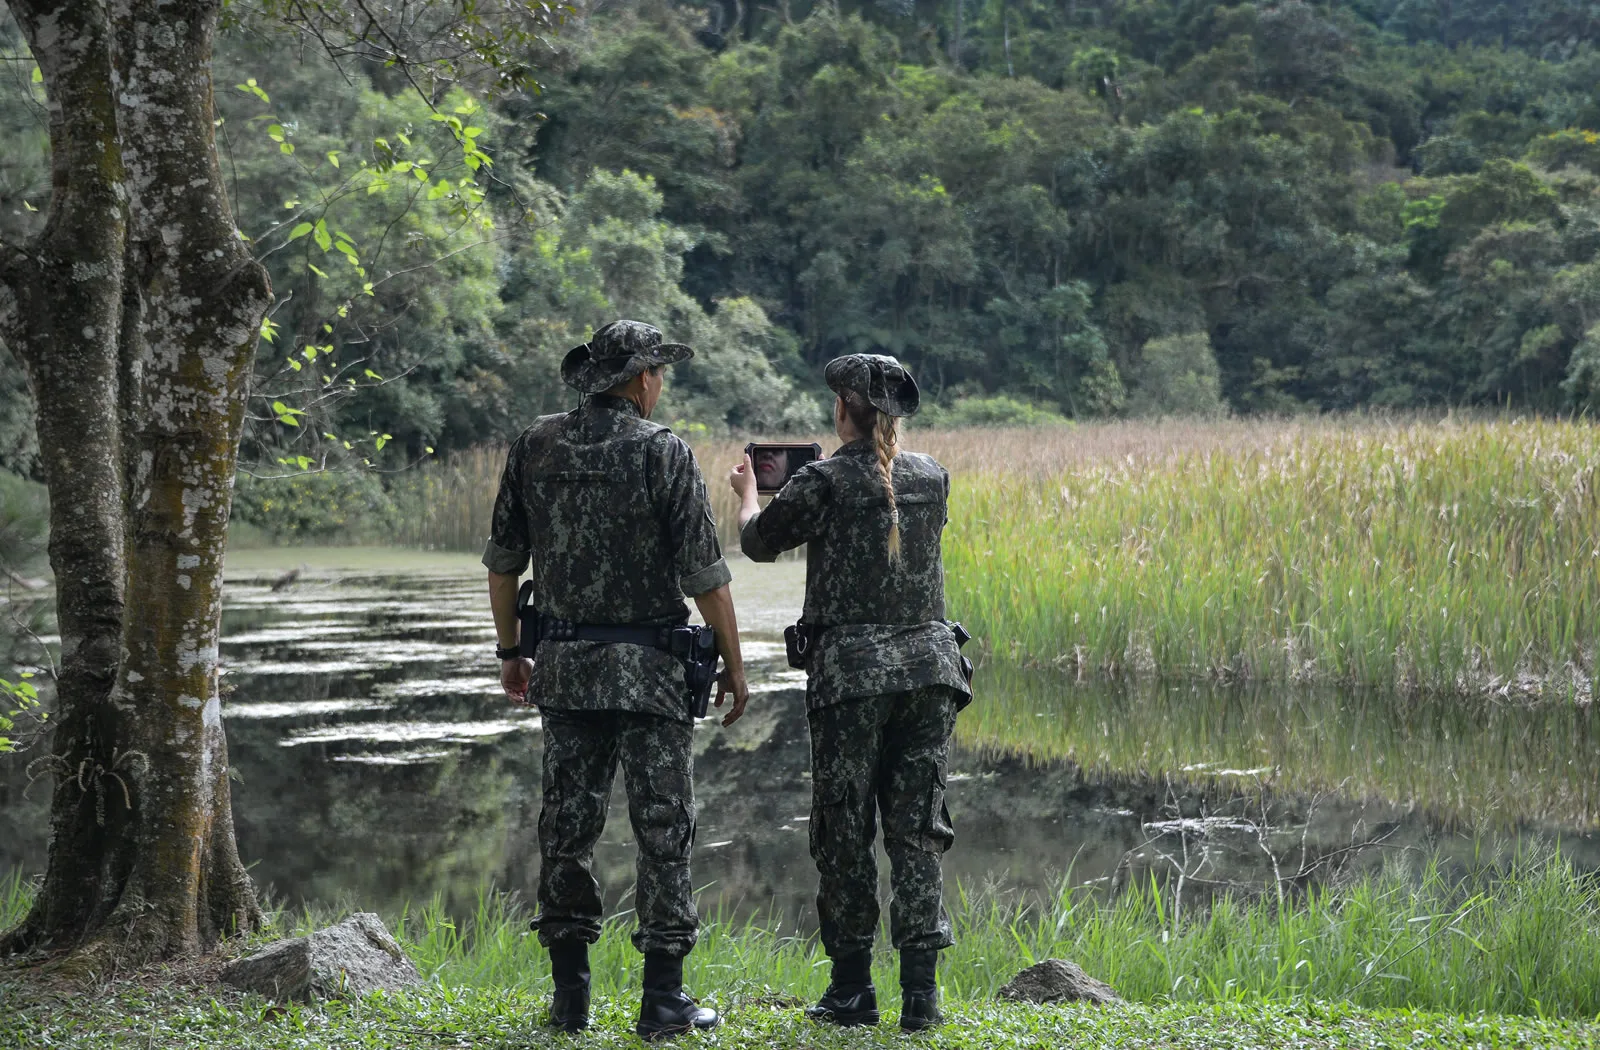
378 764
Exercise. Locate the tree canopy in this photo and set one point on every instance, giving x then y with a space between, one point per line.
1317 206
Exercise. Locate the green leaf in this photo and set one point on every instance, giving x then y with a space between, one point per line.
294 364
373 375
284 410
300 231
286 148
309 353
439 189
275 132
333 158
38 75
250 87
320 234
382 441
314 269
269 330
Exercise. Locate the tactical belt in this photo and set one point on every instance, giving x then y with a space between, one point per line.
551 630
693 647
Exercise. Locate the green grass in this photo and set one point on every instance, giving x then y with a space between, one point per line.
1523 940
1439 557
1348 966
172 1018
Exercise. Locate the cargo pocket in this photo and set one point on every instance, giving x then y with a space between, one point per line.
830 820
935 832
664 819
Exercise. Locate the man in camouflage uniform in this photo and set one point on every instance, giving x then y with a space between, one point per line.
611 513
885 681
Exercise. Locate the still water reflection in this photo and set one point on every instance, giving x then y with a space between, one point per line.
378 764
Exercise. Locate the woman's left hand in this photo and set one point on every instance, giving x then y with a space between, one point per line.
742 479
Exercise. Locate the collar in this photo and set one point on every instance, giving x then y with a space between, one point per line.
614 404
858 447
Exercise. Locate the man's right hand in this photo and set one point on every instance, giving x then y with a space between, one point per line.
514 677
732 681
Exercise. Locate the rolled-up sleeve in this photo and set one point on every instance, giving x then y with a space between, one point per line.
794 517
506 551
691 527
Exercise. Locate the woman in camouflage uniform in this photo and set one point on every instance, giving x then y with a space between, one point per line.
884 681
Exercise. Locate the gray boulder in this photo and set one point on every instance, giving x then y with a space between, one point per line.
1057 981
350 959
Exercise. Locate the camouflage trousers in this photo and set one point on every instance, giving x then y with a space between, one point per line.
581 753
871 757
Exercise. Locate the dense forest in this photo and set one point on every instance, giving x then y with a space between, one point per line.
1076 208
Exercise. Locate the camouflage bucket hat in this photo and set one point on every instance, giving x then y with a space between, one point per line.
880 379
617 353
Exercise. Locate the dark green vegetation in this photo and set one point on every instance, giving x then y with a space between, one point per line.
1090 208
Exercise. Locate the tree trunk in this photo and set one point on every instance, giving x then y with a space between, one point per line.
60 306
190 347
140 451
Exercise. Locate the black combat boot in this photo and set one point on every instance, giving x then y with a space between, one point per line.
850 999
919 989
569 968
664 1011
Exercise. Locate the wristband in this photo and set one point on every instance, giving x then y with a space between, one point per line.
510 652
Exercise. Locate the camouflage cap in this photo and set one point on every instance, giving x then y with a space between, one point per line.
617 353
880 379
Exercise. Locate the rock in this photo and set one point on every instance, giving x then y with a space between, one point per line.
1057 981
350 959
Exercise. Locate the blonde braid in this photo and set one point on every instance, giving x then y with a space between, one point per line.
885 440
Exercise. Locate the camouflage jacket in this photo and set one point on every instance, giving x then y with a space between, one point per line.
612 514
884 621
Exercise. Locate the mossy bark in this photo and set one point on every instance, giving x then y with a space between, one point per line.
135 312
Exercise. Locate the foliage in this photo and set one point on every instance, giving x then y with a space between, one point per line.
1361 203
1000 411
318 505
1178 377
24 526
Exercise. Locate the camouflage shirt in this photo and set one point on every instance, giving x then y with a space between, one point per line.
612 513
884 620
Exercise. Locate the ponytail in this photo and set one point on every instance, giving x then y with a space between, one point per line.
884 431
884 440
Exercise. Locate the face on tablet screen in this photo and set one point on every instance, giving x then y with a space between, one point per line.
772 468
775 464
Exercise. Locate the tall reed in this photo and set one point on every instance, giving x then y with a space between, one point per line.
1447 557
